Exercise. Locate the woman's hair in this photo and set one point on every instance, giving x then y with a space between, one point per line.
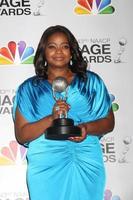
78 66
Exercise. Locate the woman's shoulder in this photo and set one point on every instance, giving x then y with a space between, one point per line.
95 80
91 75
29 82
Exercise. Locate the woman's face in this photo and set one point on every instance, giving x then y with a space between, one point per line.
57 50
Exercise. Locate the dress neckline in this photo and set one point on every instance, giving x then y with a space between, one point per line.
71 83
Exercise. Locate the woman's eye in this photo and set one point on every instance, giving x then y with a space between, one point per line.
51 47
66 47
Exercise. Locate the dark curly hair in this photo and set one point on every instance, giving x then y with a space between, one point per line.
78 66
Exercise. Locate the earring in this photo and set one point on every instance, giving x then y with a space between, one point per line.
45 64
71 62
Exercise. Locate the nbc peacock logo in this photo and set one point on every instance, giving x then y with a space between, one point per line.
108 195
16 53
94 7
115 106
13 154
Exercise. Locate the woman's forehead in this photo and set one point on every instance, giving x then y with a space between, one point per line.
57 36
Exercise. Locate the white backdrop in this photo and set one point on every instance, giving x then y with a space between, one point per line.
106 42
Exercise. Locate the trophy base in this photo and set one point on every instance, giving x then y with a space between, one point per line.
62 129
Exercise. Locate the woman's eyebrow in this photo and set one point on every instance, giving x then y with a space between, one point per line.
57 43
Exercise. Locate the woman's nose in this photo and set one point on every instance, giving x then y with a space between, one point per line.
58 49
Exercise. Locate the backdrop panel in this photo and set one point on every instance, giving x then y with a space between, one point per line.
105 37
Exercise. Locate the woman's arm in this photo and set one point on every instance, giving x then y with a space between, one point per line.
26 132
99 127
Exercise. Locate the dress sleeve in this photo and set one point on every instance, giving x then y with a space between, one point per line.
24 102
100 98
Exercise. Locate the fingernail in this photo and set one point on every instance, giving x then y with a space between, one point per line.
71 138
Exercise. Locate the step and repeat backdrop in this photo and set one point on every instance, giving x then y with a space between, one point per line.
104 31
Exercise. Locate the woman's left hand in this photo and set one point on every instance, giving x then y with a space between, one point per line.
83 134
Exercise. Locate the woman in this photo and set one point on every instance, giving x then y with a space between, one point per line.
71 169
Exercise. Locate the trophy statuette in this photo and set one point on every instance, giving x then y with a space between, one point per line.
62 127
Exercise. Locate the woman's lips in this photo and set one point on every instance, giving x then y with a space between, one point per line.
59 58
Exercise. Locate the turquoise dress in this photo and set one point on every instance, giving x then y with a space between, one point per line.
65 170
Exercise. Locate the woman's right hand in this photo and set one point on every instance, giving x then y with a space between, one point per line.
60 109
